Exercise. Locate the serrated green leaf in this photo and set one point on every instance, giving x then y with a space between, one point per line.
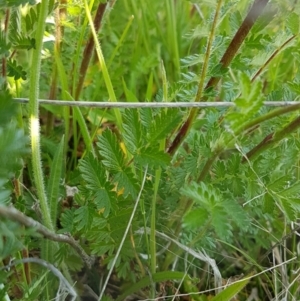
109 148
248 104
292 191
268 204
132 130
101 249
163 125
23 42
288 209
125 180
152 157
195 192
103 200
196 218
201 193
93 172
67 221
15 71
83 218
146 117
218 71
236 213
220 222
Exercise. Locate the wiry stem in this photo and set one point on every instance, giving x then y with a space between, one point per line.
89 48
254 12
273 138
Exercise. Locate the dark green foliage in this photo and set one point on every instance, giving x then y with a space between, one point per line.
208 194
13 144
93 172
10 241
22 42
212 209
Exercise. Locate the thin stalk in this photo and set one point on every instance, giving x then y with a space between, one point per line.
272 139
193 112
34 117
153 221
247 126
124 236
34 129
120 41
254 12
105 73
74 73
277 51
89 49
60 16
172 34
156 186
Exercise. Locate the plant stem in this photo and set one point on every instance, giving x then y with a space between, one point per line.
104 69
34 116
89 48
273 138
254 12
193 112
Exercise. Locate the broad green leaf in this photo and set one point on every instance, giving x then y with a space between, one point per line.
109 148
130 96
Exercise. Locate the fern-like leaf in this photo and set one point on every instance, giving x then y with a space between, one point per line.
15 71
126 180
163 125
93 173
83 218
132 130
196 218
109 148
248 104
152 157
220 222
